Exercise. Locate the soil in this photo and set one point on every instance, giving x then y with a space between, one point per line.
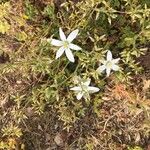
145 63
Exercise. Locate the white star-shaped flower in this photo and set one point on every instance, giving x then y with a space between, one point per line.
66 44
109 64
83 89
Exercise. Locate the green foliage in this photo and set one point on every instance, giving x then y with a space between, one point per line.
49 11
30 10
4 25
11 131
35 96
135 148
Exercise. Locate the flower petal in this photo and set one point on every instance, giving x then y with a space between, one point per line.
79 95
101 68
87 82
69 55
72 35
76 88
92 89
56 42
74 47
115 67
115 60
108 71
86 96
62 35
109 56
60 52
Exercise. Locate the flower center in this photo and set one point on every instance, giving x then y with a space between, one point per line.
109 64
66 44
84 88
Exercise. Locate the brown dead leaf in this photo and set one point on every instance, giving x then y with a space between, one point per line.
59 139
146 84
120 92
29 111
148 148
137 137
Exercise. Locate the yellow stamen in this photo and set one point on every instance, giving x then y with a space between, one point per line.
66 44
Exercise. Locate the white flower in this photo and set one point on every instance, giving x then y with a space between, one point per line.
109 64
83 89
66 44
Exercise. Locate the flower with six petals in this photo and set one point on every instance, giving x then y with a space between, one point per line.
109 64
83 89
66 44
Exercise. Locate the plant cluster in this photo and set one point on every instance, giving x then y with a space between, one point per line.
88 90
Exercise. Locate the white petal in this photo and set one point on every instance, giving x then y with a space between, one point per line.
109 56
108 71
62 35
56 42
76 88
69 55
86 96
74 47
79 95
115 67
60 52
115 60
92 89
87 82
48 40
72 35
101 68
